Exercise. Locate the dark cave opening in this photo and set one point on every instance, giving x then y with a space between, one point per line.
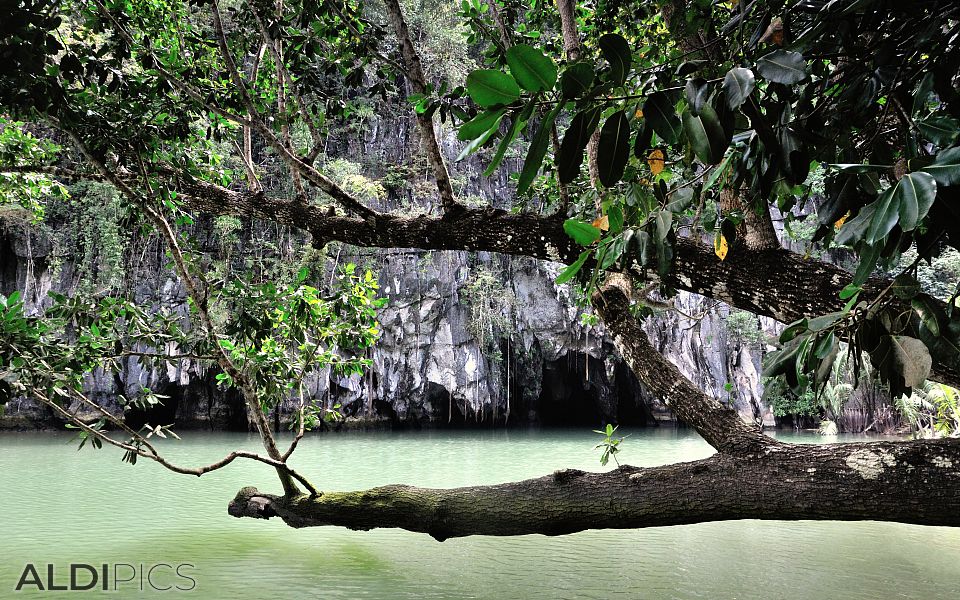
449 412
573 396
632 408
163 412
577 392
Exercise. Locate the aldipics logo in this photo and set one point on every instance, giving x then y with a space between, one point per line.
82 577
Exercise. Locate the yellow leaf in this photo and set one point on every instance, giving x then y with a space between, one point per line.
638 114
841 221
655 160
720 246
603 223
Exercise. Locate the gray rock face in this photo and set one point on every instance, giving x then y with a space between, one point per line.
536 362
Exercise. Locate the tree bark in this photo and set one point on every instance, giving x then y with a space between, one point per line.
428 136
719 425
907 482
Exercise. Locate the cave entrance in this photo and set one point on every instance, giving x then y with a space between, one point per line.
632 406
162 413
578 393
569 398
447 412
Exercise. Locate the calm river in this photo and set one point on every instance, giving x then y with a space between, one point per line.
62 506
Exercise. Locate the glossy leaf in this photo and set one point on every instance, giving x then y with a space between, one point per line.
532 69
946 168
940 130
480 141
574 144
664 223
660 113
617 52
479 125
738 84
576 79
614 149
705 134
696 91
681 199
929 312
582 233
782 66
568 273
913 196
537 150
488 87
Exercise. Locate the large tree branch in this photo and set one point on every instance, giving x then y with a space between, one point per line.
908 482
719 425
751 280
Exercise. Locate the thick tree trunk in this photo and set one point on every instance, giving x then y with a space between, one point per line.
719 425
911 482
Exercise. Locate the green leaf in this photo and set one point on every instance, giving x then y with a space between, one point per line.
617 52
696 91
911 358
850 291
824 321
738 84
614 149
519 120
574 143
779 362
488 87
568 273
660 112
940 130
576 79
705 134
885 216
682 199
479 125
869 254
913 196
664 223
534 71
537 150
644 247
480 141
946 168
930 313
782 66
615 218
794 329
855 229
582 233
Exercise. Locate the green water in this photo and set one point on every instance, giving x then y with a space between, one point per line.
61 506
